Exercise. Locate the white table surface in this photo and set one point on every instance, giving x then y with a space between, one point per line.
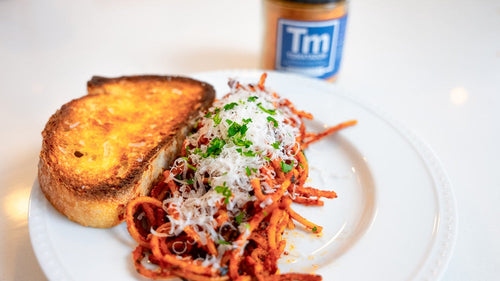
433 65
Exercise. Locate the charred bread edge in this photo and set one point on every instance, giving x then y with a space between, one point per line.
106 211
97 81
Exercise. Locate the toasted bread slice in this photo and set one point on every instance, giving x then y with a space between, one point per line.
104 149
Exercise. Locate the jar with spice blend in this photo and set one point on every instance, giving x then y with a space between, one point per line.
304 36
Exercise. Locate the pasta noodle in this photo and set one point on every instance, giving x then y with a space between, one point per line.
221 211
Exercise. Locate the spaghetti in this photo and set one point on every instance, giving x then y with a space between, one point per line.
220 212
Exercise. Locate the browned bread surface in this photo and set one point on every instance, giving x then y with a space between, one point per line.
103 149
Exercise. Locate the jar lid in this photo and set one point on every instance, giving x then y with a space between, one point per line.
315 1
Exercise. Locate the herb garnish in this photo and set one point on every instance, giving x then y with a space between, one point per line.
230 106
242 142
233 129
243 129
269 111
239 217
276 145
286 167
189 165
217 118
225 191
271 119
215 148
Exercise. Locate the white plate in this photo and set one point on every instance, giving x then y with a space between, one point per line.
395 217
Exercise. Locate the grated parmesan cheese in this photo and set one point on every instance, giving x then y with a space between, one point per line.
239 135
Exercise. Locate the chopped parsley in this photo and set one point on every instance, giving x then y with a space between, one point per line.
271 119
239 217
286 167
269 111
225 191
243 129
276 144
224 242
215 147
253 98
233 129
236 128
230 106
189 165
217 119
315 229
242 142
249 172
249 153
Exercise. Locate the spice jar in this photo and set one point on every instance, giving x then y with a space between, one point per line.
304 36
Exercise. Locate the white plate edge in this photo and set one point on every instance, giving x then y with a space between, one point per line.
446 235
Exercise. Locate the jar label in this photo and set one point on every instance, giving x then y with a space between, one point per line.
313 48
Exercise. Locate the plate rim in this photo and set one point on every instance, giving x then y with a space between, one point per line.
446 235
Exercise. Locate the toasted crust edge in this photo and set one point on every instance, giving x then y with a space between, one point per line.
97 81
106 209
